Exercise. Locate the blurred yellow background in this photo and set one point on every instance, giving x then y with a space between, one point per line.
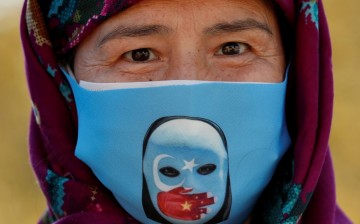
20 197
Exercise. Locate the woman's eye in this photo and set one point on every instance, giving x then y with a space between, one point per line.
232 48
206 169
169 171
140 55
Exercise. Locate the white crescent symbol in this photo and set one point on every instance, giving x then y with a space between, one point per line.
158 183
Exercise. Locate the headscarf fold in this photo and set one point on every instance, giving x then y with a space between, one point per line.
301 191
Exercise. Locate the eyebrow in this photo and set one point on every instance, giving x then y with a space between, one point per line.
134 31
147 30
237 26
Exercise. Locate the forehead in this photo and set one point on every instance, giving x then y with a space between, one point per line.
201 12
182 6
187 133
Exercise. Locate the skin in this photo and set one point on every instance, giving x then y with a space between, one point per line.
185 40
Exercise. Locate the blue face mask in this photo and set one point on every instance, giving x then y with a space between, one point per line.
182 152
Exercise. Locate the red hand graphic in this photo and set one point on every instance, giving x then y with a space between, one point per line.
179 204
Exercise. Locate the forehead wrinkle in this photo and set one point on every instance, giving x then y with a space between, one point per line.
134 31
237 26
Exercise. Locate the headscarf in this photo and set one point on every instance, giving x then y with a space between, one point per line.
301 191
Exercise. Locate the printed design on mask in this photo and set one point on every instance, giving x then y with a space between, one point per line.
185 171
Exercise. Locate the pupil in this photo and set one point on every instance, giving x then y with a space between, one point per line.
231 48
142 54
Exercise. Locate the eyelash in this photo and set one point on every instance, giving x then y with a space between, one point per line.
140 53
241 47
150 55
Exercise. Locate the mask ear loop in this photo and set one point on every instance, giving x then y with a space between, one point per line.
66 69
287 70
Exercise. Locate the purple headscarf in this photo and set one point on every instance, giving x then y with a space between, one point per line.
301 191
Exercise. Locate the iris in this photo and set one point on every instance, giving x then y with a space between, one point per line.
142 54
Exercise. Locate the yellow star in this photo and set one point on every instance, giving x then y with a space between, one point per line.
186 206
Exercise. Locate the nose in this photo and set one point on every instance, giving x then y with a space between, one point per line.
189 63
190 182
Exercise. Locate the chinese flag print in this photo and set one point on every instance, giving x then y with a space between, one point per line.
179 203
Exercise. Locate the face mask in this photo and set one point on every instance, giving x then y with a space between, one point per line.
182 151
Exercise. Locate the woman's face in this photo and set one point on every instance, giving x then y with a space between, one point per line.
218 40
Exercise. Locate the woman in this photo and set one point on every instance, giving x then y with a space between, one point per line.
74 46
